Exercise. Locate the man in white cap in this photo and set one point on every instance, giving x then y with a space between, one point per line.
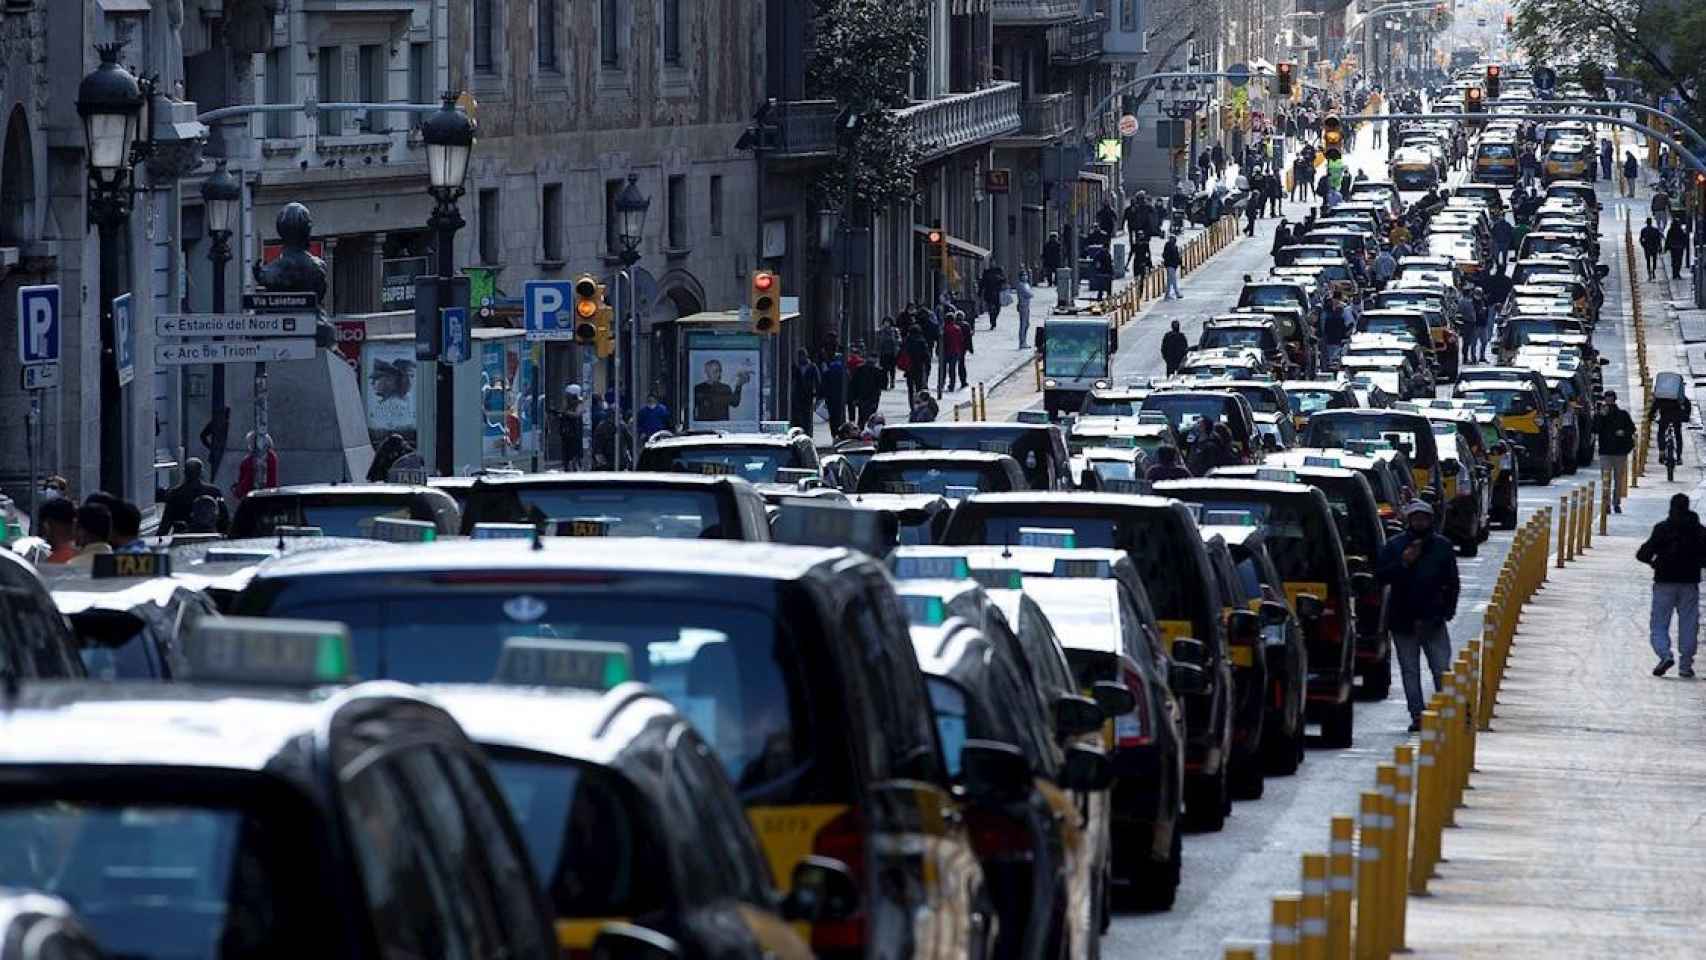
570 430
1421 568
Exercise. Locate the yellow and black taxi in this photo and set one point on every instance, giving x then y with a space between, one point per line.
1521 330
1405 431
1303 539
681 505
35 641
918 518
1495 450
130 614
1413 169
952 474
1524 405
1496 161
209 820
754 457
1466 463
341 509
1297 335
1309 396
628 816
1160 536
1572 384
1185 406
800 656
1040 448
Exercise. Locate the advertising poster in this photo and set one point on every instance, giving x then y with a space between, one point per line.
397 282
509 402
724 382
388 387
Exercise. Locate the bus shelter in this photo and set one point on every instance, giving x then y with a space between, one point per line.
717 374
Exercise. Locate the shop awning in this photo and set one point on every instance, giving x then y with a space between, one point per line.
963 248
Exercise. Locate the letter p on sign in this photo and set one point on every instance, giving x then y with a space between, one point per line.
38 324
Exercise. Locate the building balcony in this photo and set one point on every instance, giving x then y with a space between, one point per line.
961 120
1046 118
1033 13
1078 41
805 130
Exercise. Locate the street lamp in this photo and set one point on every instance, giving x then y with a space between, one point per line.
220 196
631 207
110 100
449 137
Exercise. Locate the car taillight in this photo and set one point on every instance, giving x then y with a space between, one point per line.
1132 729
997 836
1331 626
842 838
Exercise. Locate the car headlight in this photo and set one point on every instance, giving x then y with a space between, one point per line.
1050 384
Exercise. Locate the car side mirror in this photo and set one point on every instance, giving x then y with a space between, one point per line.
1186 678
1115 699
1190 650
1243 624
1274 613
1075 716
629 941
822 889
1309 606
996 771
1087 769
1362 582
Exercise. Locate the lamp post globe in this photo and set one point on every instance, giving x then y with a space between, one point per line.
631 207
109 101
220 195
828 218
449 137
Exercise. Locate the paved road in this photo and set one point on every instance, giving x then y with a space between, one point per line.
1230 876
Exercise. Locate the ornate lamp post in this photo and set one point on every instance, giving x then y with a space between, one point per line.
449 137
631 208
221 195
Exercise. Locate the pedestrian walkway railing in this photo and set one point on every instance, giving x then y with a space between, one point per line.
1638 329
1353 904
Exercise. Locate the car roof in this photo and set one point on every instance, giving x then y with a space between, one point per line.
565 722
930 456
641 478
351 489
1079 497
721 439
1232 483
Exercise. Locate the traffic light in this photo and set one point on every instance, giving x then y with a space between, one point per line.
765 297
938 242
588 300
1472 102
1282 75
1332 133
1510 23
604 331
1493 81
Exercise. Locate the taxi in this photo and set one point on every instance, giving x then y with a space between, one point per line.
831 745
1114 402
1495 450
679 505
35 641
130 627
349 813
1160 536
1215 363
1413 169
629 818
1040 448
37 926
1122 469
1496 162
341 509
1303 539
1248 331
1297 335
1183 405
1391 366
1309 396
1277 431
1573 399
953 474
754 457
918 518
1525 409
1466 463
1523 329
1404 431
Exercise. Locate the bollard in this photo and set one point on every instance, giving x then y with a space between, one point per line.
1039 368
1427 802
1370 840
1239 953
1573 545
1312 921
1403 757
1623 480
1340 888
1563 523
1461 756
1473 678
1449 742
1607 487
1592 505
1282 931
1386 784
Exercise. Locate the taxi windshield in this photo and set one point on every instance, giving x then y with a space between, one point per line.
1269 295
880 476
627 511
1505 400
1095 406
756 464
1297 539
261 517
1387 323
170 882
1220 337
1115 469
1400 431
1309 401
1183 410
1075 351
1496 151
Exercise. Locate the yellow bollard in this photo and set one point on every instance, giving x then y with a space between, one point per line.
1449 739
1473 676
1386 785
1572 540
1563 515
1240 953
1623 480
1403 757
1282 931
1607 488
1370 842
1428 766
1312 921
1340 888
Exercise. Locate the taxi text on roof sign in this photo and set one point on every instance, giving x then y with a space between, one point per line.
575 664
999 578
108 565
930 568
1058 537
269 652
398 530
503 531
923 611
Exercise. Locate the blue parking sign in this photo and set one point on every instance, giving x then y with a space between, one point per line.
124 338
545 310
38 324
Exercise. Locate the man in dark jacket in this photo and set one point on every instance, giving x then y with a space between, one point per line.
807 382
1167 465
833 383
1051 258
1174 346
180 500
865 390
1676 550
1652 241
1676 241
1421 568
990 285
1171 259
1616 430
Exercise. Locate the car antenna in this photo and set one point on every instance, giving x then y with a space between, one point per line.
1006 547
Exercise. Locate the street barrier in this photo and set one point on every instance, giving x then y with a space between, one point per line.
1390 850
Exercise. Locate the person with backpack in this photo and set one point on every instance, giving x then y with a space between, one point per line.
1676 241
1676 550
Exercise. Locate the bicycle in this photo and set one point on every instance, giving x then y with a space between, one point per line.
1670 447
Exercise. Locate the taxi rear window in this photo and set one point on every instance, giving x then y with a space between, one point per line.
626 511
342 517
1182 411
1097 407
1269 296
1337 430
756 464
1298 540
881 476
171 880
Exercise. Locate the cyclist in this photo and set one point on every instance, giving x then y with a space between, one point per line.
1671 413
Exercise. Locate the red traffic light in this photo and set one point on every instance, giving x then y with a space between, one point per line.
762 282
1285 69
1474 93
1493 70
934 236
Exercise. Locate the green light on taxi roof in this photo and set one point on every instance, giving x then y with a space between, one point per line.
616 672
331 659
924 611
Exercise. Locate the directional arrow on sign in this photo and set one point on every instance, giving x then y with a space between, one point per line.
233 351
233 325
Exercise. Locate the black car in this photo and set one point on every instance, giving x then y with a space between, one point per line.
671 505
954 474
341 509
754 457
34 638
1039 448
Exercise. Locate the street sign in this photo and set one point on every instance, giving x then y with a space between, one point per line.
457 347
545 310
289 301
187 352
40 376
124 337
38 324
234 325
1128 125
1238 74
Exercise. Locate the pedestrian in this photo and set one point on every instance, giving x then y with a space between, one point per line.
215 437
1420 567
1106 219
1276 191
1661 208
865 386
1174 346
1252 209
1103 281
1676 550
888 350
1022 297
915 360
94 526
259 470
127 527
1141 263
1502 235
1676 241
1217 156
1616 431
924 408
181 498
1051 258
1213 449
1385 265
991 285
56 522
391 449
803 397
653 417
953 355
1652 241
1334 330
571 432
1631 173
833 383
1605 158
1167 465
1171 260
1476 324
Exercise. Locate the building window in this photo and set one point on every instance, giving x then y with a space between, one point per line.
672 32
677 212
373 86
485 30
612 223
489 235
551 215
331 71
716 206
547 35
420 78
609 49
278 90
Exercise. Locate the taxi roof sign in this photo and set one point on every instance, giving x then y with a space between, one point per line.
399 530
999 578
1276 475
930 568
1032 416
1231 518
238 555
270 652
585 526
1063 538
780 427
902 487
956 491
503 531
1322 462
573 664
1066 567
293 531
110 565
924 611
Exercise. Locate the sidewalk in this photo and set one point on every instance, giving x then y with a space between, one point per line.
1580 835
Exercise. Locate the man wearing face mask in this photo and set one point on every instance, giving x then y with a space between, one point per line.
1421 567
